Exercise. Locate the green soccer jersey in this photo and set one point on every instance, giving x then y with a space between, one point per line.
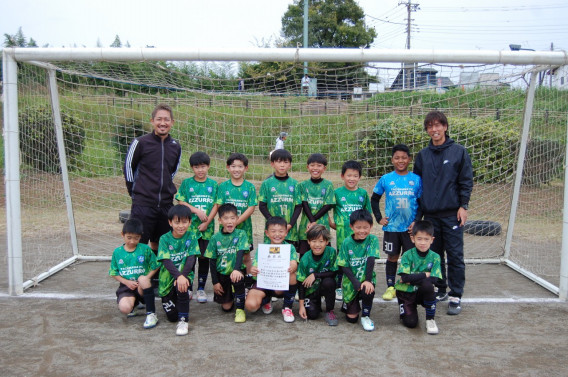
243 197
132 264
201 195
281 197
293 256
412 263
177 250
316 195
224 246
308 266
354 254
346 202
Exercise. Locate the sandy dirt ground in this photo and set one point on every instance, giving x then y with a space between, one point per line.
69 326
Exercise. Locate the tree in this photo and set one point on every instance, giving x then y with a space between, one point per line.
17 40
332 23
117 42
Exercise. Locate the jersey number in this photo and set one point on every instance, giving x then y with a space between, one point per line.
402 203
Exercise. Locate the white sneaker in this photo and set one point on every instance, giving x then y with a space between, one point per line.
367 323
431 327
339 294
151 321
288 315
182 328
201 296
267 308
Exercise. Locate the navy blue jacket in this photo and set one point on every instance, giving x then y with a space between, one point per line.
447 178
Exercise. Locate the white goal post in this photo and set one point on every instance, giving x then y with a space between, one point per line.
53 60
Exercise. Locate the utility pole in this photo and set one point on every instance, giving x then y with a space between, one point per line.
409 9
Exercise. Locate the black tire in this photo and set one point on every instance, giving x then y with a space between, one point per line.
123 215
482 228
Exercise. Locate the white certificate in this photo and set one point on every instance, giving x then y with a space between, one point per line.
273 264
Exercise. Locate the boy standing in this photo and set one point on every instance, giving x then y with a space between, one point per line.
177 252
225 253
317 197
402 190
419 270
199 194
242 194
357 260
278 195
276 230
348 198
133 264
316 275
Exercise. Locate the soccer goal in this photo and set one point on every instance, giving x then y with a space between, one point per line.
69 115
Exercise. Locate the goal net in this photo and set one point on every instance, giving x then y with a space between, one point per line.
76 118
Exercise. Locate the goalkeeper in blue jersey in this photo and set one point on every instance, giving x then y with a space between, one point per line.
401 189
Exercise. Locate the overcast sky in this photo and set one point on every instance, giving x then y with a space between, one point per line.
438 24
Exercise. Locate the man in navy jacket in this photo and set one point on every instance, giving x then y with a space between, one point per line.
447 179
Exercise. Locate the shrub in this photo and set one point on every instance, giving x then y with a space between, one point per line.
38 142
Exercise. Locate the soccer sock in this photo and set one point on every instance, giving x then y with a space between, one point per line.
390 270
430 307
338 279
239 294
265 300
149 300
289 296
182 304
366 303
202 279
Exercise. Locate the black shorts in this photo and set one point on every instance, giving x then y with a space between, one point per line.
394 242
227 286
312 303
353 307
267 292
154 220
408 302
124 291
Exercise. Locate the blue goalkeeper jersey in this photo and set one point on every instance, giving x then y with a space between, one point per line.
401 194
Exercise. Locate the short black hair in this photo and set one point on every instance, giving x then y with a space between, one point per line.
318 230
281 155
237 157
402 148
360 215
436 115
275 220
423 226
133 226
199 158
179 211
352 164
227 208
317 158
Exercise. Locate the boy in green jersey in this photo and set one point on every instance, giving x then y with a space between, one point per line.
199 193
357 260
348 198
242 194
276 230
177 252
133 264
278 195
419 271
225 253
317 198
316 275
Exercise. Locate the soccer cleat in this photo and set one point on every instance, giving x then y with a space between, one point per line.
267 308
274 299
182 327
454 306
151 321
288 315
339 294
330 318
133 313
201 296
441 296
389 294
431 327
367 323
240 316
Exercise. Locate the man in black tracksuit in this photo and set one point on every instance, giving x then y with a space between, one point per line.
447 179
151 163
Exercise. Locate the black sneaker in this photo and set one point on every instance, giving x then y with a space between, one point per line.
441 296
454 306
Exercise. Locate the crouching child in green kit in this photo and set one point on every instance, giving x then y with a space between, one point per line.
316 276
133 264
177 252
225 253
419 271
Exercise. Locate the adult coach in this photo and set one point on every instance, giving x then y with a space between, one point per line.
447 181
151 164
